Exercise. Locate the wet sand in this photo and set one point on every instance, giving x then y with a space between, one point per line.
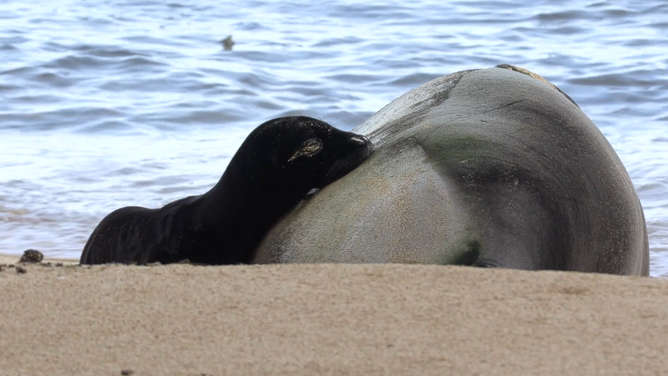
328 319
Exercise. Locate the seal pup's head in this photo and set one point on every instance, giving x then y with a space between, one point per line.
273 170
299 153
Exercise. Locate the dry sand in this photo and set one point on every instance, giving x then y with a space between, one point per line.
328 320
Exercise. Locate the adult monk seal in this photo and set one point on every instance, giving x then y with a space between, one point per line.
276 166
491 167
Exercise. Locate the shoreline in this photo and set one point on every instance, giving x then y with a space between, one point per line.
14 259
328 319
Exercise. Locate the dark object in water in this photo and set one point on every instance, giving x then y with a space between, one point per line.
227 43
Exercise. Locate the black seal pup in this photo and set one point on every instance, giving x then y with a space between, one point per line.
276 166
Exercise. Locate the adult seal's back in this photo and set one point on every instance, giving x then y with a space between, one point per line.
493 167
276 166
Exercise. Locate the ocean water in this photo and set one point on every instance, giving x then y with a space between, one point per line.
113 103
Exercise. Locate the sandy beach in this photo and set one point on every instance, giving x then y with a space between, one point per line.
327 320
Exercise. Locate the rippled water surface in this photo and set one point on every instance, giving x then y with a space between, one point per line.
113 103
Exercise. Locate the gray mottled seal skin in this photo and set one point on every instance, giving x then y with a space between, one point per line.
275 167
493 167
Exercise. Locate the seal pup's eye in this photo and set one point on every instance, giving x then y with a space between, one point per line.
309 148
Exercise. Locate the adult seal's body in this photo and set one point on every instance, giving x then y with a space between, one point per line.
492 167
275 167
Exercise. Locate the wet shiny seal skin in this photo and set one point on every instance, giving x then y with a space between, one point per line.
273 170
493 168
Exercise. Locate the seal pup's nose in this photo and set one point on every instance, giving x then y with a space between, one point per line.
370 145
362 140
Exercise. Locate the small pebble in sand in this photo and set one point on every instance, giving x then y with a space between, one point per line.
127 372
32 255
20 269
